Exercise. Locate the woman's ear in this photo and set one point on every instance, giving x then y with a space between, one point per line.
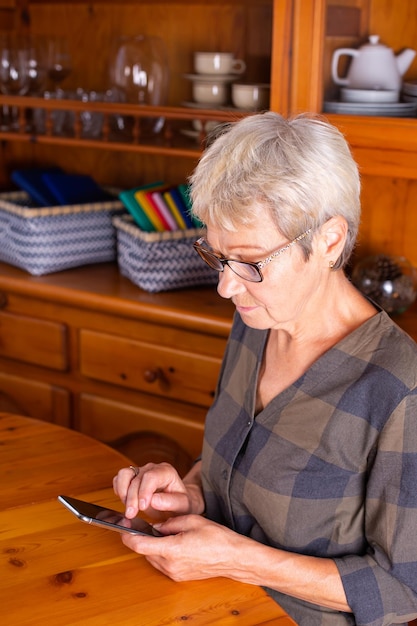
332 239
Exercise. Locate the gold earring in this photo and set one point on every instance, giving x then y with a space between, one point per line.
331 264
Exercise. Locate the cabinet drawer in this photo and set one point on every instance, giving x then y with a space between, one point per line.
34 399
148 367
31 340
109 421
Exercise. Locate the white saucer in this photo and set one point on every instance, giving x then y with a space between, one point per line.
399 109
373 96
199 105
212 78
192 134
212 107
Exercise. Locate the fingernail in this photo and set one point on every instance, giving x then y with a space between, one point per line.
142 504
130 512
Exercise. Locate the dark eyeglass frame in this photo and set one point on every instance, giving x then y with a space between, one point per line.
218 262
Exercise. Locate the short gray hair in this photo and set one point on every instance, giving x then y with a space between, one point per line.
299 169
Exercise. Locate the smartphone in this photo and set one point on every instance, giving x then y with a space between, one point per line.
107 518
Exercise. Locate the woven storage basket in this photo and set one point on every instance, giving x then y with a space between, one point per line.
160 261
51 239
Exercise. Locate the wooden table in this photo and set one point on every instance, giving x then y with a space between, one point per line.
56 570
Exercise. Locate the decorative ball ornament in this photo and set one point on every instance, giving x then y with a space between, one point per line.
390 281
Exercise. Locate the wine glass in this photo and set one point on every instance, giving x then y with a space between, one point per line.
38 65
14 66
14 75
59 60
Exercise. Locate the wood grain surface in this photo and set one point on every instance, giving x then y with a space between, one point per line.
55 569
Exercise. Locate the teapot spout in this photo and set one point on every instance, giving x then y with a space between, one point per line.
404 60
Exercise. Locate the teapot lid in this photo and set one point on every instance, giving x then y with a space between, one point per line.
374 41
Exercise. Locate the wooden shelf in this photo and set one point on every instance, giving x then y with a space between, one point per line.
169 141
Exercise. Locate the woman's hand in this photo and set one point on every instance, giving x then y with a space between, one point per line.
158 490
194 548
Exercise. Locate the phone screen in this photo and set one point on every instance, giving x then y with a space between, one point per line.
107 518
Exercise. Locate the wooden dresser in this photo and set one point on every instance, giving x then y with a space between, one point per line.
86 348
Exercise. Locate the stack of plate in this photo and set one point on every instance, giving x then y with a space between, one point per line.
386 109
380 102
409 92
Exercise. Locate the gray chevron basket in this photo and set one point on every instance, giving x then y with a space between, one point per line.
51 239
160 261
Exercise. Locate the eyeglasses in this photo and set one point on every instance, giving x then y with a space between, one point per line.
243 269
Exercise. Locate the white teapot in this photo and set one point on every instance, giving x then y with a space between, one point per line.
373 66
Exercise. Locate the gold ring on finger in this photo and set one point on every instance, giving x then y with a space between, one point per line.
134 469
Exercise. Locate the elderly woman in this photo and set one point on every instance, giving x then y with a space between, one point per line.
307 481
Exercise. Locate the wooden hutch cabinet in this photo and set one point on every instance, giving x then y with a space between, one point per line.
87 348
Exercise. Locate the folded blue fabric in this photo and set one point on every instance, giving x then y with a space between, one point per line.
74 188
31 180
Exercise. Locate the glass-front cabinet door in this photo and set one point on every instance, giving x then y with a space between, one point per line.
384 138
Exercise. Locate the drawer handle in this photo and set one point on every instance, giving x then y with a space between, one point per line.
152 375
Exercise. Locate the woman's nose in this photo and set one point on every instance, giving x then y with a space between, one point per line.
229 283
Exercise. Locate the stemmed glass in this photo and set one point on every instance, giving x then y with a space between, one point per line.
59 60
38 65
14 74
38 77
59 68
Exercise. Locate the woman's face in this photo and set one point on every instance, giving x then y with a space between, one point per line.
290 282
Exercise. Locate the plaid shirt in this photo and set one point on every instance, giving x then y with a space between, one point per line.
328 468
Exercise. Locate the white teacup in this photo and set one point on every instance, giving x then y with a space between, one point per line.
210 92
252 97
218 63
